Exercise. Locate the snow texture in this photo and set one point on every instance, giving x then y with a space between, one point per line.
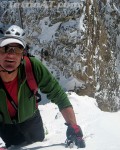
101 129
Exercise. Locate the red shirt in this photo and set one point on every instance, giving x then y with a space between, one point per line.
12 88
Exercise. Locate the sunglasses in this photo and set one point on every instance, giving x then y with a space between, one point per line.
12 49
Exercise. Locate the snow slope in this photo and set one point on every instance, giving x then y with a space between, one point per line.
101 129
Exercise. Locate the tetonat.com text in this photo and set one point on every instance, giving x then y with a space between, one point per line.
45 5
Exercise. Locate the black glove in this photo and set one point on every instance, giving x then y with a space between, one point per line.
74 135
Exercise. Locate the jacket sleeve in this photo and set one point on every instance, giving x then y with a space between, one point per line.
49 85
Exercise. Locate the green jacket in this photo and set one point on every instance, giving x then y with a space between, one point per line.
27 104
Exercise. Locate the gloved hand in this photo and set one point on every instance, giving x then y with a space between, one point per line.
75 135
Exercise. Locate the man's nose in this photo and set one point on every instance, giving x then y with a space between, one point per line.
11 50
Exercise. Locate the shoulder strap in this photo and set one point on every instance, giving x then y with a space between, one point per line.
29 75
31 79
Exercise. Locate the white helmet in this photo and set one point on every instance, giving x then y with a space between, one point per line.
15 31
14 34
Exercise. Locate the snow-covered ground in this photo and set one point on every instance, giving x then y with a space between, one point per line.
101 129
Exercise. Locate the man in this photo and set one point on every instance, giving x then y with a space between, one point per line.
22 122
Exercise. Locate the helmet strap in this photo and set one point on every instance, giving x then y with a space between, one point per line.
9 72
22 60
4 70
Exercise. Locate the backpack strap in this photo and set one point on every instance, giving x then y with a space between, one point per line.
31 79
